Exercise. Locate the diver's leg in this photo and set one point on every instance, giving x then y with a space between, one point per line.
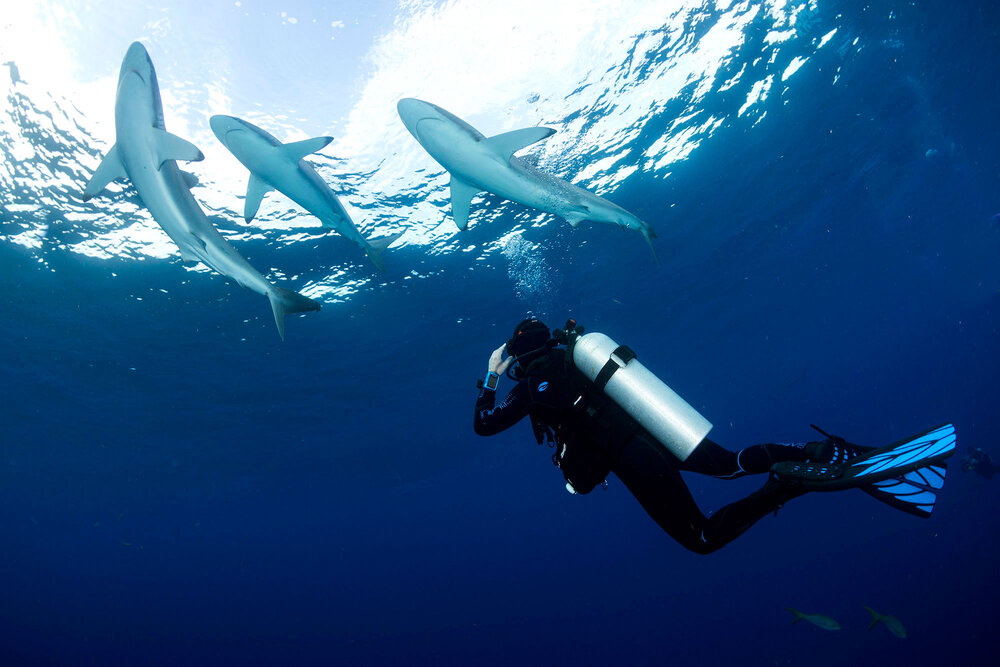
709 458
655 481
734 519
653 478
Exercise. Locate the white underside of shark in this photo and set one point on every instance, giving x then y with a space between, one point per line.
478 163
282 167
145 153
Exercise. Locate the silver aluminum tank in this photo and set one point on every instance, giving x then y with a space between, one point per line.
667 416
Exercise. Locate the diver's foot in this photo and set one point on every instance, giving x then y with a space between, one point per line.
834 450
780 489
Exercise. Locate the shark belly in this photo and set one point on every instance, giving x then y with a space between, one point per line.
173 207
487 172
301 184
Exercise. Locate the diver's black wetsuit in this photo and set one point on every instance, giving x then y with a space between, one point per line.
593 440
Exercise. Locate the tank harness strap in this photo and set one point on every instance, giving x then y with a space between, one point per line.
542 431
625 354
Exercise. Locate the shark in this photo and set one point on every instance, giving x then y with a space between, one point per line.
282 167
477 163
146 154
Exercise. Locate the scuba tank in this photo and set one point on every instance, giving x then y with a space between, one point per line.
614 370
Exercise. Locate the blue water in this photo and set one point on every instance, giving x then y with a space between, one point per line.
178 486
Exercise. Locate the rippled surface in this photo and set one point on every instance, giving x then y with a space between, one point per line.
624 84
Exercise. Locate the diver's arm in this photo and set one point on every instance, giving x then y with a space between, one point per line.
490 420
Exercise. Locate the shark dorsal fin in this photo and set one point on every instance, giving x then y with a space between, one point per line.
110 169
256 189
461 201
171 147
508 143
297 150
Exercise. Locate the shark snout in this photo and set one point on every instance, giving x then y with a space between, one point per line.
412 111
410 107
223 126
137 60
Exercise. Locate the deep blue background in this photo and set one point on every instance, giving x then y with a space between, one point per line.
177 486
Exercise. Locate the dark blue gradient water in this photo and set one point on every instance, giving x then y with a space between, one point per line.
177 486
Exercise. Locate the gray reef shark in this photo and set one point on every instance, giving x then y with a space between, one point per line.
145 153
282 167
478 163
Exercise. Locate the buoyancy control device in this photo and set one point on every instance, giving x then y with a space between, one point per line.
614 370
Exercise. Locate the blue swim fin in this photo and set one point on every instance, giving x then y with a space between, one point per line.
913 492
894 462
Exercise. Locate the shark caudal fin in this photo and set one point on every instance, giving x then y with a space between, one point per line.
648 234
284 301
375 247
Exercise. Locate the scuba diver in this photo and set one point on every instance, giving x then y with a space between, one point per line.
603 411
979 462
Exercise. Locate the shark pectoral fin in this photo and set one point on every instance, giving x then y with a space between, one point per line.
171 147
508 143
110 169
190 180
297 150
576 216
256 189
461 201
188 257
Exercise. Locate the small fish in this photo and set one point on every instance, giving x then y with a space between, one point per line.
819 620
891 622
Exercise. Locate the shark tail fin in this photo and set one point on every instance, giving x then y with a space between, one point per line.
284 301
649 235
375 247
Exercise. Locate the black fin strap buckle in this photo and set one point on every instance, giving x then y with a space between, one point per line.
622 352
